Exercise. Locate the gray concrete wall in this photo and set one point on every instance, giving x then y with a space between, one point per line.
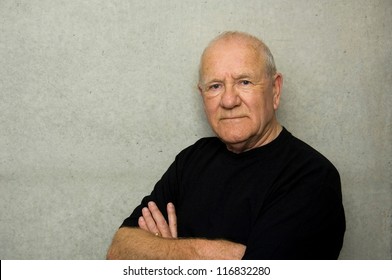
97 97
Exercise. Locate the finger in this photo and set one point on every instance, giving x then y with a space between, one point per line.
159 219
171 213
142 223
149 220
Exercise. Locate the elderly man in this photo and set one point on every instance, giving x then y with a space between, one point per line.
254 191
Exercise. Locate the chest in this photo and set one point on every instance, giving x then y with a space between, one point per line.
223 204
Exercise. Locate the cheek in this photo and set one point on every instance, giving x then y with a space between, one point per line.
264 105
211 108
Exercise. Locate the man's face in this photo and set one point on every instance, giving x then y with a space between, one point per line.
240 100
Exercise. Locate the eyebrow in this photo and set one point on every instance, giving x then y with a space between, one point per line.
235 77
208 83
243 76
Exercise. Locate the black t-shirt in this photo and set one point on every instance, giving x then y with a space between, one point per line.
282 200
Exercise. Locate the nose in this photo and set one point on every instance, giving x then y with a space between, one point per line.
230 98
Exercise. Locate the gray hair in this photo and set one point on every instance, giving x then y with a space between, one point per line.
258 44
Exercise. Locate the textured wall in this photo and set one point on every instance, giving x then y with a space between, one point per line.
97 97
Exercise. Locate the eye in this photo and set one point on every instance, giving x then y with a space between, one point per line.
214 86
245 82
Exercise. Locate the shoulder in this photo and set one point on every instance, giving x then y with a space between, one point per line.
203 144
306 164
304 153
202 149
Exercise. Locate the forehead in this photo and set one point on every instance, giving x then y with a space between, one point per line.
231 56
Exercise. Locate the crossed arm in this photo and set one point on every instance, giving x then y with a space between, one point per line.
157 239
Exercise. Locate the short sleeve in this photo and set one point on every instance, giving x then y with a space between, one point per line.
302 221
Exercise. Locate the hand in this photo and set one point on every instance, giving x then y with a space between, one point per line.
153 221
157 240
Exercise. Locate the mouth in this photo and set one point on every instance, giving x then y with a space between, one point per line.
232 118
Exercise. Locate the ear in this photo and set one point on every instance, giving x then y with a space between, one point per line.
277 89
199 87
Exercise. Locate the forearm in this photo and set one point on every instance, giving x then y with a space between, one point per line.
134 243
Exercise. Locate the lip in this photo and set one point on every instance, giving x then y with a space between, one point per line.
232 118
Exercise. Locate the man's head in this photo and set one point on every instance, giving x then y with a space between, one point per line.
241 90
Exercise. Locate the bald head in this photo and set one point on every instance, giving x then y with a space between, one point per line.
251 41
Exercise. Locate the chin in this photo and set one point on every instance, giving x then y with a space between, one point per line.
234 139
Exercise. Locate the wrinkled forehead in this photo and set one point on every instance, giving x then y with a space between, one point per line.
231 52
233 43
